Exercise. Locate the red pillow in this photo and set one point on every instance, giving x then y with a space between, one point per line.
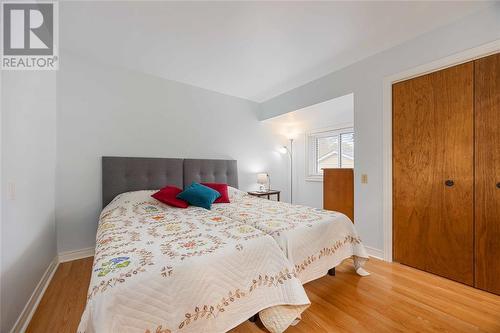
168 195
222 189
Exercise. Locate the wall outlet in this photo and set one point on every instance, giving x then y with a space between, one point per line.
11 191
364 178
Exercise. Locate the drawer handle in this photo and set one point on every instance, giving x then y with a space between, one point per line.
449 183
498 185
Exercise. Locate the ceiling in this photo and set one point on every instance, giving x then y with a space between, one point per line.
253 50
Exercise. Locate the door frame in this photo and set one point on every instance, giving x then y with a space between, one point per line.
449 61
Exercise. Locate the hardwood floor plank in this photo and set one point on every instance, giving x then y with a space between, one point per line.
64 300
394 298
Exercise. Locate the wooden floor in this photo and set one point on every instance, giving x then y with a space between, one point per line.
395 298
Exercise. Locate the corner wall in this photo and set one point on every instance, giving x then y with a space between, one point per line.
28 235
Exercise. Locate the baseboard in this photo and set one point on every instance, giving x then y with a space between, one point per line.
375 253
76 254
29 309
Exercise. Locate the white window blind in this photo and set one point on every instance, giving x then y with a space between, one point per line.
329 149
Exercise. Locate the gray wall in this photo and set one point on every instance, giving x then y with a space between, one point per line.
106 110
365 79
28 236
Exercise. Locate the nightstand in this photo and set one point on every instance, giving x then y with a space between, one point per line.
267 194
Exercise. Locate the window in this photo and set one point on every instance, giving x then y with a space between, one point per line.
329 149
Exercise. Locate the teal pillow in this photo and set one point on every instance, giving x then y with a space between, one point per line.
199 195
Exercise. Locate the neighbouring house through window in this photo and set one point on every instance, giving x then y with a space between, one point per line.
332 148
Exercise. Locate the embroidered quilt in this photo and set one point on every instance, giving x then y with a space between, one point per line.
159 269
313 239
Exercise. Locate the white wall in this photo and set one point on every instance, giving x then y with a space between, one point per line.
365 79
28 236
334 113
106 110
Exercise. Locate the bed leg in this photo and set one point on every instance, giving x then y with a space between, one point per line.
331 271
253 318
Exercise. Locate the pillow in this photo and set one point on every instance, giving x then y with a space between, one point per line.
235 194
222 189
168 195
199 195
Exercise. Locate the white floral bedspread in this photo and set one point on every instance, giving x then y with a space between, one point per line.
313 239
159 269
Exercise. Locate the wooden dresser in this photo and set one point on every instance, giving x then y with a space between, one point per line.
338 191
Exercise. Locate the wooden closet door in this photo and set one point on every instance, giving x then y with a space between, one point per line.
433 164
487 179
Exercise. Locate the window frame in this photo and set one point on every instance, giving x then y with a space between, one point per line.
311 148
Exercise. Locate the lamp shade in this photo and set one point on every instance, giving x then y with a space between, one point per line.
262 178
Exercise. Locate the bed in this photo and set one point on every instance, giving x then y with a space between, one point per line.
314 240
162 269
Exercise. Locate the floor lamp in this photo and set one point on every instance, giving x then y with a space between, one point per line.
290 153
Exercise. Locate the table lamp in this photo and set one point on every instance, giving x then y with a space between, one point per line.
262 180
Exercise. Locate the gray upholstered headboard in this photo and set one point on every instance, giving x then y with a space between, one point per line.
210 171
124 174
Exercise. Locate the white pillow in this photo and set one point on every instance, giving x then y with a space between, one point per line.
234 193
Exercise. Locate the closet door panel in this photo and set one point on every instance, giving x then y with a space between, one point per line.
487 168
433 164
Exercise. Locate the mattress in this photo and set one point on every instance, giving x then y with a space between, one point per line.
163 269
314 240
